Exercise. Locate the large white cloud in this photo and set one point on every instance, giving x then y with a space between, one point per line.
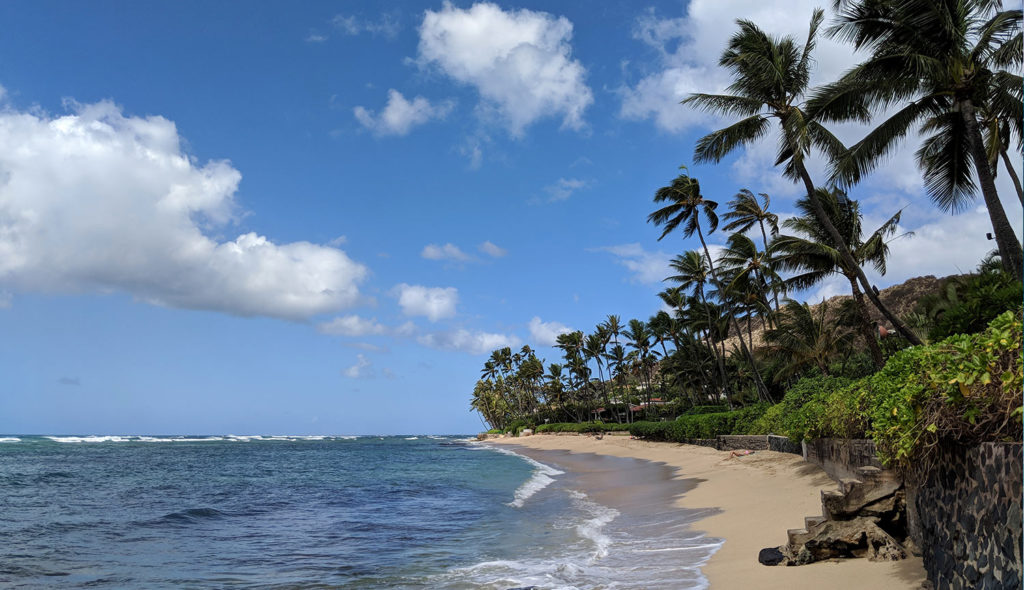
473 342
400 115
96 201
546 333
434 303
520 61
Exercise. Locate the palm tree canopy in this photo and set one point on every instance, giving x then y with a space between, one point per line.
927 56
770 76
745 210
685 204
811 250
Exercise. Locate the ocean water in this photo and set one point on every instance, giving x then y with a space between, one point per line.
334 512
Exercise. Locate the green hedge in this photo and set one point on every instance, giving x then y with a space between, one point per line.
966 388
581 427
700 426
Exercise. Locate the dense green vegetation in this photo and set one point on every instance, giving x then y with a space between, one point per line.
735 355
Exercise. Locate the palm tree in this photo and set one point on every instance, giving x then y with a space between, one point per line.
746 264
946 61
999 127
617 367
804 337
770 77
812 253
744 211
638 336
594 348
684 208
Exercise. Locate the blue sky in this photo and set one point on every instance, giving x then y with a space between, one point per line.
318 218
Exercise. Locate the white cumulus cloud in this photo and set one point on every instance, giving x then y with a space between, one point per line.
434 303
468 341
446 252
400 115
546 333
96 201
520 61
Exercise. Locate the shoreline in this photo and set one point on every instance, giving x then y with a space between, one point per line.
758 498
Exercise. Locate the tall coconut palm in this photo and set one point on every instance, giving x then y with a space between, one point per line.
812 253
944 62
685 205
770 78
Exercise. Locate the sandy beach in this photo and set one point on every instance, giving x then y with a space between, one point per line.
759 497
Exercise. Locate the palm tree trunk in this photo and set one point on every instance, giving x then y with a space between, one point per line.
711 345
764 238
848 258
865 325
1013 174
762 389
1006 240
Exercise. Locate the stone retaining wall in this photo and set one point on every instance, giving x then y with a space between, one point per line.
964 513
782 444
840 457
730 442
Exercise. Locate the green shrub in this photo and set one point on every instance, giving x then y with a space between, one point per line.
970 303
495 431
966 388
518 425
700 426
698 410
582 427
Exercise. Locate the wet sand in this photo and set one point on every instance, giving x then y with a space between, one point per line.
749 501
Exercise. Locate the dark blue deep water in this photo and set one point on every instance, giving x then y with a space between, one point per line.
332 512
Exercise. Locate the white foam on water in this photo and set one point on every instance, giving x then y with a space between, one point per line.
543 476
89 439
592 529
412 438
9 439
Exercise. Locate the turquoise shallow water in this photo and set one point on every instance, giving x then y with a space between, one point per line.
324 512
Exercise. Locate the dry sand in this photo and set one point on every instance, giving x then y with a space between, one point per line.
760 497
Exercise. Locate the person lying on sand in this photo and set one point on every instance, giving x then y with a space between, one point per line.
740 453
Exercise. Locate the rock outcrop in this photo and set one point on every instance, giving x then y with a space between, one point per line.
865 517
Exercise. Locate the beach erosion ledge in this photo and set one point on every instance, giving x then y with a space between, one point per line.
758 497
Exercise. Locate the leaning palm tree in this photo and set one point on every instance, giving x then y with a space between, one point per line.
685 204
770 78
944 62
812 254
